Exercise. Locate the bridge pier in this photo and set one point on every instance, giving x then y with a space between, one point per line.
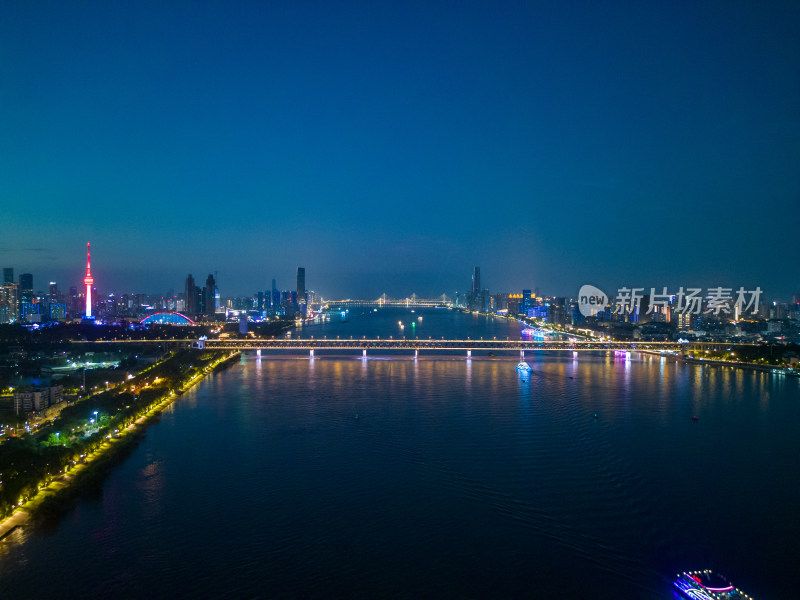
258 353
364 353
469 353
522 356
311 353
416 354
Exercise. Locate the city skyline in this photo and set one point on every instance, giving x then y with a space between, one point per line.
474 287
393 148
399 299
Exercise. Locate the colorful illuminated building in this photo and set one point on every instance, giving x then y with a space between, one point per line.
88 280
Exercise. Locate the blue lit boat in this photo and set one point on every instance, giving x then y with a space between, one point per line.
524 367
707 585
538 332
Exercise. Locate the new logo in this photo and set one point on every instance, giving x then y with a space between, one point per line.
591 300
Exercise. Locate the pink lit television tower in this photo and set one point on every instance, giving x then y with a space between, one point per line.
88 280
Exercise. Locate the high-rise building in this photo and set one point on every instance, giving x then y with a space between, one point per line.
527 302
557 313
476 298
26 287
642 312
288 303
74 302
210 297
57 311
54 296
25 293
301 297
88 281
514 304
8 275
31 312
9 302
191 296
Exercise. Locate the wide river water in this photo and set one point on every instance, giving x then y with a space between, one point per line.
388 477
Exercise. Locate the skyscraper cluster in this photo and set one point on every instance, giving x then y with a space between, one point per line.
204 302
201 302
285 303
478 297
19 302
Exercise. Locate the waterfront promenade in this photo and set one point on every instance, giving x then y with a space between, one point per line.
23 513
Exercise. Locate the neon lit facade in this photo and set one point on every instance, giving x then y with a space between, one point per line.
88 280
167 318
707 585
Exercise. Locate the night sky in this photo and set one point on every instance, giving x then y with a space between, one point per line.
392 146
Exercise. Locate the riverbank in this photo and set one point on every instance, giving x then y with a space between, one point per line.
714 362
94 465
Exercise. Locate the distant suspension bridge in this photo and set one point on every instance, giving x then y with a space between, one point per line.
380 302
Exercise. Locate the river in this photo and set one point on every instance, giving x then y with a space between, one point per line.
438 477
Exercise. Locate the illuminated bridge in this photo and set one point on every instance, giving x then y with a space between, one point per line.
404 302
167 317
466 345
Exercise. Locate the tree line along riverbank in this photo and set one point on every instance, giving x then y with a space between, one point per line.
41 469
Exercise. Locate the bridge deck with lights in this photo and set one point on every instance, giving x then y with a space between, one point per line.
447 344
289 345
386 302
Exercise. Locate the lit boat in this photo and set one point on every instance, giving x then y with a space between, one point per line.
538 332
524 367
707 585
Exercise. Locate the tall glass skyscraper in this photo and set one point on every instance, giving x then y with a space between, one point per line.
302 297
211 297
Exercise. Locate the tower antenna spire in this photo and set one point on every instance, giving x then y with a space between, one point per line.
88 280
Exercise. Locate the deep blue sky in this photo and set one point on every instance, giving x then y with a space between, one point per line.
391 147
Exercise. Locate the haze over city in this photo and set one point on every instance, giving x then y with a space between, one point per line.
390 148
420 299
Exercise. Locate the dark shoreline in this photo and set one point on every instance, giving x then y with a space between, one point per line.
90 480
712 362
56 501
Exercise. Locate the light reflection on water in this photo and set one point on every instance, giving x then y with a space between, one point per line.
459 478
